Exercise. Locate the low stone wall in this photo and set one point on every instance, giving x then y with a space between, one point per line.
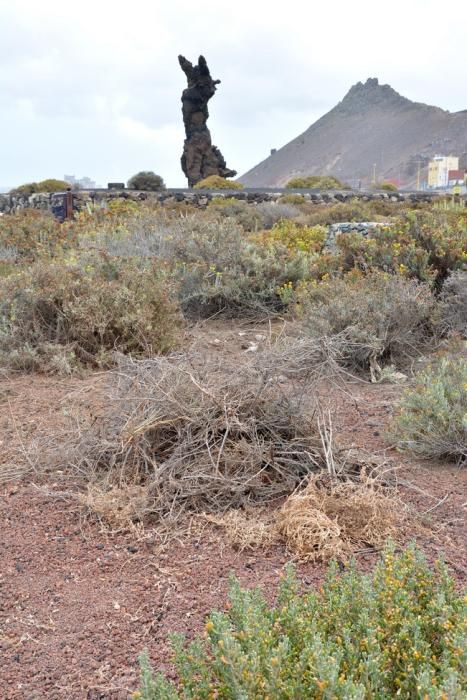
365 228
10 203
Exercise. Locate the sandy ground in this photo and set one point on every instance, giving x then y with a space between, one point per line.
78 603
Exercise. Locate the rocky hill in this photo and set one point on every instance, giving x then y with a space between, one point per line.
373 133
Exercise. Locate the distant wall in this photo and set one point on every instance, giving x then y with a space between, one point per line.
11 203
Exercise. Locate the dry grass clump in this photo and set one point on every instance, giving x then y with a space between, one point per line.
329 519
202 436
118 507
249 529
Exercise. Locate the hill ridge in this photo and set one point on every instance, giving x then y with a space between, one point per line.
372 131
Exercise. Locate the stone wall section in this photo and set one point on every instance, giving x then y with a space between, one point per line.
9 203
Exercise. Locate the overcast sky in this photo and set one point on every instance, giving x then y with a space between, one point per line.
93 87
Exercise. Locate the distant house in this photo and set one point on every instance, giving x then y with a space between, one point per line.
438 170
84 183
456 177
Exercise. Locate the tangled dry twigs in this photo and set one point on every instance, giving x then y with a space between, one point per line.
205 436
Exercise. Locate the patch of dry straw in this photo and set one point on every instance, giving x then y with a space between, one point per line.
253 529
119 508
331 519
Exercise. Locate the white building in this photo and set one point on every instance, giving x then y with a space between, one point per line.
84 183
438 170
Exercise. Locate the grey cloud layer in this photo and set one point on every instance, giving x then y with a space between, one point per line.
95 88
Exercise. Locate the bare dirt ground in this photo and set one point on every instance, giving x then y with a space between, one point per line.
79 603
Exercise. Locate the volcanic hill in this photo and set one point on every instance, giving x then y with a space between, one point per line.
372 134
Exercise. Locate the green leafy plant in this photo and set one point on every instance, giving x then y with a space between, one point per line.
399 632
322 182
295 237
432 416
247 216
49 185
231 274
454 303
388 187
146 180
292 198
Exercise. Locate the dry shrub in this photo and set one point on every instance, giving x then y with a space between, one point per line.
328 519
56 316
378 319
204 436
117 507
454 303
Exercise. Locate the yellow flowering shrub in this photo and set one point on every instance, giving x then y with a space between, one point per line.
216 182
399 632
424 245
30 234
295 237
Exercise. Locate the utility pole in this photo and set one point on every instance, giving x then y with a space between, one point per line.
419 164
374 173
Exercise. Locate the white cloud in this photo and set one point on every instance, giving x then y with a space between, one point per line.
94 87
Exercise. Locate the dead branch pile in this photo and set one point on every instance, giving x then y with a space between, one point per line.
203 436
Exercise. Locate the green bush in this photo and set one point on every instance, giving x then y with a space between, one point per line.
388 187
432 417
216 182
321 182
146 180
292 198
272 213
220 270
357 210
380 318
49 185
399 632
295 237
89 310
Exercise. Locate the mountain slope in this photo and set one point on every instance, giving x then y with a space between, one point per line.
372 133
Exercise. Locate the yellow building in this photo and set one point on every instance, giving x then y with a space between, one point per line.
438 170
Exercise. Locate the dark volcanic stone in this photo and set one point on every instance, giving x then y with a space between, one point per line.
200 158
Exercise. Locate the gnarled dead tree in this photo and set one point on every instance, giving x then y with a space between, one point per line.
200 158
